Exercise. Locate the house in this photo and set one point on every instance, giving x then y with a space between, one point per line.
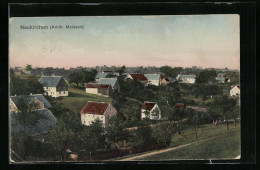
138 77
104 75
99 89
150 110
97 110
113 82
43 125
54 86
235 91
164 80
37 99
222 79
153 79
186 78
39 105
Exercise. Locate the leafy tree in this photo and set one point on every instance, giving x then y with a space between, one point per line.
207 76
144 135
115 131
27 114
121 70
171 72
155 113
24 86
225 108
28 67
163 133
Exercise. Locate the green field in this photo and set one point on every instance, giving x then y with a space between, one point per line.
226 146
77 98
218 143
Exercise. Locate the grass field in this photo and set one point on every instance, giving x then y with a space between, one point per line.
220 143
77 98
227 146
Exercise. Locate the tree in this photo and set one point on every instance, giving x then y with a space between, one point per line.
27 114
225 108
163 133
115 131
207 76
28 67
121 70
144 135
171 72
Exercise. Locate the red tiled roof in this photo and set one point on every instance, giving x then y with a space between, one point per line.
179 105
94 108
94 85
139 77
148 105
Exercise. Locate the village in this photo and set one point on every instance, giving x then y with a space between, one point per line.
111 113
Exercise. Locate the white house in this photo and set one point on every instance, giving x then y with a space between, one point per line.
54 86
150 110
235 91
97 110
183 78
153 79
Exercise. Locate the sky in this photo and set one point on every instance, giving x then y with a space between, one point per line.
208 41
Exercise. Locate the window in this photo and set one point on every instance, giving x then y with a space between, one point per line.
64 92
59 92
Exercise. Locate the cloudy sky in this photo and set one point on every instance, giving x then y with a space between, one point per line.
176 40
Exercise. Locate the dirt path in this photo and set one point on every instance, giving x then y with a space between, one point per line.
133 158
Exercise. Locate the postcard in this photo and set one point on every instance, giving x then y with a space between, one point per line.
124 88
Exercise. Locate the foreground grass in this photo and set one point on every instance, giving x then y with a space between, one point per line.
220 149
227 146
77 98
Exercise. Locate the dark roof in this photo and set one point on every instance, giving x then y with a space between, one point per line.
97 108
164 77
139 77
106 71
111 81
95 85
148 105
50 81
179 105
31 98
42 126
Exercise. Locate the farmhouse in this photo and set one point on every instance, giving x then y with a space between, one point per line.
164 80
113 82
97 110
186 78
104 75
153 79
99 89
38 100
39 105
235 91
150 110
54 86
138 77
43 125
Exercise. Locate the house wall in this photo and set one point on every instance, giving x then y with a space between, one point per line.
51 91
154 82
104 92
92 90
87 119
111 111
188 80
13 107
235 91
